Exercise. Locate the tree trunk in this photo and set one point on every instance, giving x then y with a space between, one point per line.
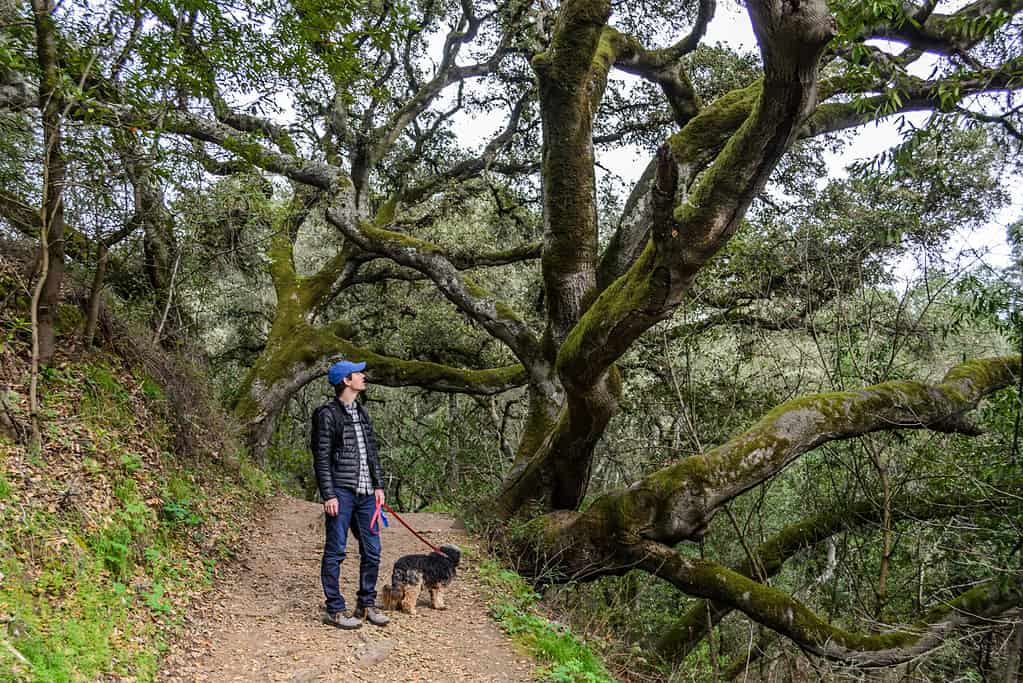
54 170
294 356
95 297
160 248
1010 672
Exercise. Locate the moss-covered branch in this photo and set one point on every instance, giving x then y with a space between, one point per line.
787 616
920 28
915 94
525 252
297 353
693 147
246 146
572 75
495 316
557 473
678 502
664 66
675 644
792 38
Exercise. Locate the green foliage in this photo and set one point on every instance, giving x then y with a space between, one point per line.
154 599
90 590
800 300
292 467
569 659
104 397
131 462
119 543
152 390
179 499
254 479
180 512
17 327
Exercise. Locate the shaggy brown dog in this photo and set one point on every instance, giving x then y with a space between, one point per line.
411 573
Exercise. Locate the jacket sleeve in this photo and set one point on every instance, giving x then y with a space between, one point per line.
376 472
320 443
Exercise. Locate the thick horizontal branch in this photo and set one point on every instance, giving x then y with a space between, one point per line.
947 34
914 94
495 316
317 174
693 490
767 560
298 353
525 252
678 502
395 372
787 616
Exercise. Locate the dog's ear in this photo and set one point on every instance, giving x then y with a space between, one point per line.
453 553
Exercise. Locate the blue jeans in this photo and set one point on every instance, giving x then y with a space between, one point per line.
353 512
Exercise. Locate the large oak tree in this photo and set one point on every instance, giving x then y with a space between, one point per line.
352 104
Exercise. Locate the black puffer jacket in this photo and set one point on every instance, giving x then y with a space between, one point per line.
336 452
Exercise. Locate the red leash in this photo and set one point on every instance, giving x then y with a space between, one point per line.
376 516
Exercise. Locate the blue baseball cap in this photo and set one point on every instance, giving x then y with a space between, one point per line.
341 369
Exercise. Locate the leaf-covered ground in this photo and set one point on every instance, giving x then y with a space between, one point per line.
107 533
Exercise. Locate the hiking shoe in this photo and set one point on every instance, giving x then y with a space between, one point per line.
371 615
342 620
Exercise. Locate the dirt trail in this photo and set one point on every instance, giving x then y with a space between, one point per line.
262 623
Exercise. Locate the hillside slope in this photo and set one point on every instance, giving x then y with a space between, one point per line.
121 519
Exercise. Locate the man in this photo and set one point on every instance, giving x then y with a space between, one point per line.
351 482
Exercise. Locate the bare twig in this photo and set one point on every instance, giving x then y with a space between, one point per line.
170 298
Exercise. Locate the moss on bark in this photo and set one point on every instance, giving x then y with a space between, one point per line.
678 502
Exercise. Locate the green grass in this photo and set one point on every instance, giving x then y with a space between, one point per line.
254 479
104 399
73 605
86 597
65 616
567 657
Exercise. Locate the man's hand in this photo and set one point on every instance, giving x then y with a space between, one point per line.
330 507
379 495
